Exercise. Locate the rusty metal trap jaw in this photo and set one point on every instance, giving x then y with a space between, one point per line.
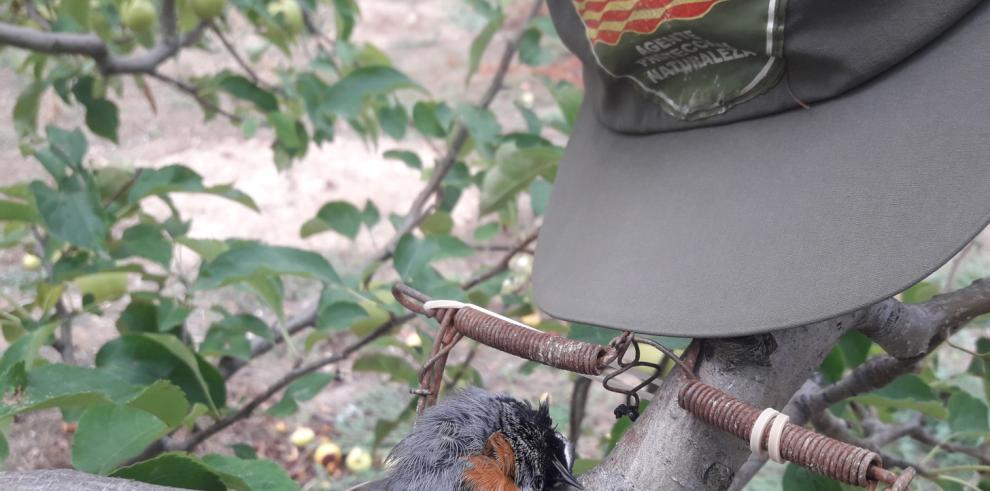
767 431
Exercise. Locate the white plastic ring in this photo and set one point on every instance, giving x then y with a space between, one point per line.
759 427
776 435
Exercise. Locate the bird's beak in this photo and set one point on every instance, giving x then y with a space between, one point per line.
565 474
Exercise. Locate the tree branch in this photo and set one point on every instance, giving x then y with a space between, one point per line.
919 434
835 427
237 57
92 46
907 331
503 264
418 210
193 441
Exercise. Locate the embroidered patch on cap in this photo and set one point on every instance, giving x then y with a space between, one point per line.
697 58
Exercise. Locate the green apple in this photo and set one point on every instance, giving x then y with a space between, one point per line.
103 286
139 15
290 12
208 9
31 262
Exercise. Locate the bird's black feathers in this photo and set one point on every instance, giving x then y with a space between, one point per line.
433 457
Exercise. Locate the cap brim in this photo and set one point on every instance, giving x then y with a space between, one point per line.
778 221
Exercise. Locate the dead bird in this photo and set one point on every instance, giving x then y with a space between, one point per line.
478 441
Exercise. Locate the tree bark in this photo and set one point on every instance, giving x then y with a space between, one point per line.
670 449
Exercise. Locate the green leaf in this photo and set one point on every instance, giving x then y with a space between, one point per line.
244 89
251 260
338 316
407 157
907 392
412 255
539 195
164 400
428 120
393 120
4 448
102 118
800 479
833 365
303 389
145 358
152 314
370 215
921 292
250 475
72 214
481 125
244 451
568 99
147 241
487 231
69 146
397 369
26 108
181 179
12 211
591 334
339 216
271 291
287 129
207 249
513 172
24 350
110 434
967 414
855 347
229 336
480 43
67 386
174 469
346 97
530 52
78 11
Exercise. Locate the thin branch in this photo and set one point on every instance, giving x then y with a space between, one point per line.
34 15
835 427
249 408
503 264
228 366
579 403
237 57
873 374
459 374
194 92
65 345
922 436
418 210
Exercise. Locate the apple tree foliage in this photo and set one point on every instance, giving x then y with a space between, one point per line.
91 239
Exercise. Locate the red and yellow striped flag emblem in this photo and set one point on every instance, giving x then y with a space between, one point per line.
607 20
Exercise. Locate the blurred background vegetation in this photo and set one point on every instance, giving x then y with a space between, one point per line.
204 204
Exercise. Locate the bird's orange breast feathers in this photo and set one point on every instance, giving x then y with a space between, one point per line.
495 468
